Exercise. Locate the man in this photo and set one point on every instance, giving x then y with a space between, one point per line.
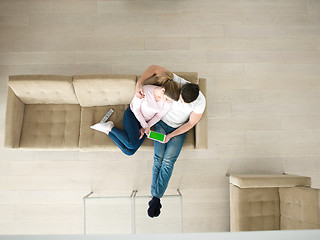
184 114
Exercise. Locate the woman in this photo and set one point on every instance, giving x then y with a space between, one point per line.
142 114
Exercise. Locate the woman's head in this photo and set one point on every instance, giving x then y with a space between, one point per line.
170 88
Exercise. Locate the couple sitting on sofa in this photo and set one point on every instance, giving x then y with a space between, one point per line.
174 108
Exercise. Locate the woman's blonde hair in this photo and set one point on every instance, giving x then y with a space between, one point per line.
172 88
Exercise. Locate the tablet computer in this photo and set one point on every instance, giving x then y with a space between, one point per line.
160 137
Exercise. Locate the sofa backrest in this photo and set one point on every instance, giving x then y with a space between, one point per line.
189 76
102 90
43 89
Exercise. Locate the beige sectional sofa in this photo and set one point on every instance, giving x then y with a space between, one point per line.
273 202
49 112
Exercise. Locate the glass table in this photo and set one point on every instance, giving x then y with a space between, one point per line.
127 214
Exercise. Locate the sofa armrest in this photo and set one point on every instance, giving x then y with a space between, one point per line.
269 181
14 120
201 128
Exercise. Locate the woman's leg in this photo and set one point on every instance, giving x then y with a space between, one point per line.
127 140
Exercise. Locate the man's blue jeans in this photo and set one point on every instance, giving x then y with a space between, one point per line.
128 139
165 156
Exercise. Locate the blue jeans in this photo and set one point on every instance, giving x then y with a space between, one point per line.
165 156
128 139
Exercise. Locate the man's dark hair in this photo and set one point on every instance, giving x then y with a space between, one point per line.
189 92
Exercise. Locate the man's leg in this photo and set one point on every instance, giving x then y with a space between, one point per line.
159 151
170 156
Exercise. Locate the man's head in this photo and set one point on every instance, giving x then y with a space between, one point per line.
189 92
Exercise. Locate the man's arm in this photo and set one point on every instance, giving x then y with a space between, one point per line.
193 120
152 70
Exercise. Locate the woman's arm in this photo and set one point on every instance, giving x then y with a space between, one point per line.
136 109
157 117
151 70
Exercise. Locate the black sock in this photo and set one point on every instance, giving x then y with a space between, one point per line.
154 209
157 212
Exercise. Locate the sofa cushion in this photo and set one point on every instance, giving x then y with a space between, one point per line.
254 209
189 140
43 89
102 90
299 208
91 140
51 126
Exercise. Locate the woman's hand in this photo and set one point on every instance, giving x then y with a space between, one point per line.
139 91
147 130
141 131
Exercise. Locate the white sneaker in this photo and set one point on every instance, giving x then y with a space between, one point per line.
103 127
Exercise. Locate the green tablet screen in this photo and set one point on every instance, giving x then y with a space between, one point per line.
156 136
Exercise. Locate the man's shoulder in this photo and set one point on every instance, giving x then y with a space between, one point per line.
179 80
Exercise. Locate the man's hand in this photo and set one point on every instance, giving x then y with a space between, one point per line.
139 91
141 131
167 139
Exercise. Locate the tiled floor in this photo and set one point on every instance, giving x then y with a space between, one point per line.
262 63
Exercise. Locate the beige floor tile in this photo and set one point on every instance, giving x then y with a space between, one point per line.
8 212
44 227
266 44
22 20
138 6
280 136
22 7
74 6
143 57
80 44
221 110
301 122
235 123
283 19
210 224
281 109
100 19
245 7
227 137
58 167
241 31
60 69
303 32
196 18
48 212
257 165
297 96
290 57
37 58
45 196
46 32
271 150
166 43
236 96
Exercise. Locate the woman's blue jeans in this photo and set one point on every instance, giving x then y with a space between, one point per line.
165 156
128 139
